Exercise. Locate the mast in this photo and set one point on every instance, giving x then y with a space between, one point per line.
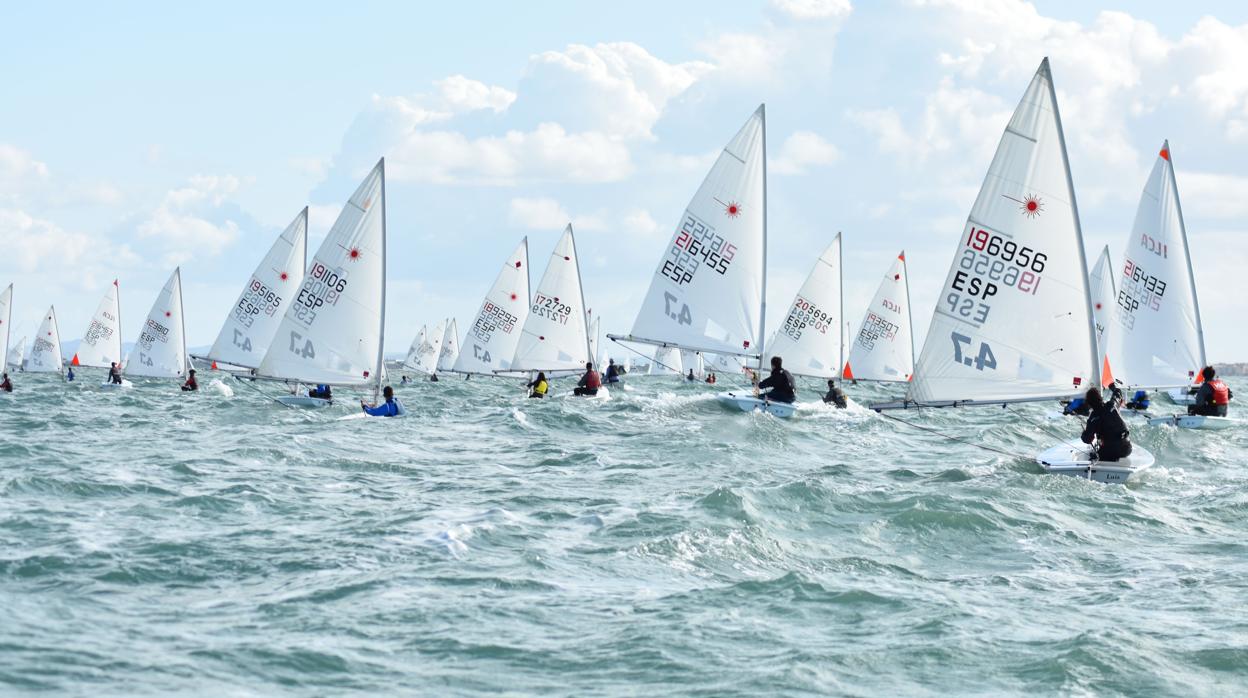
580 285
1074 205
762 313
905 274
381 339
120 363
1187 252
840 261
186 356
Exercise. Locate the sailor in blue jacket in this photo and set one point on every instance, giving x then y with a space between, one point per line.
390 408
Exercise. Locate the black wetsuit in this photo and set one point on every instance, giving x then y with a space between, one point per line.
782 388
837 396
1106 425
114 376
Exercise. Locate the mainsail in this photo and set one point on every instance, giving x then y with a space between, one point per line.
495 332
450 347
667 362
16 351
1014 319
692 360
1156 340
101 343
555 336
254 318
45 352
883 350
6 317
1104 299
333 331
810 338
160 351
708 289
423 354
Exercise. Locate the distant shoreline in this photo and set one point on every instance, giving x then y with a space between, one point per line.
1235 369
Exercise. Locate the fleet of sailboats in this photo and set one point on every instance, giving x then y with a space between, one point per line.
1019 318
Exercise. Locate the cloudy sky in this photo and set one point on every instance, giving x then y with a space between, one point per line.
137 138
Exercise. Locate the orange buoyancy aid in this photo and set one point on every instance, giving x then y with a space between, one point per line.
1221 393
592 381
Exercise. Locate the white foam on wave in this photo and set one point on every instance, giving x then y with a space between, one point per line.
222 388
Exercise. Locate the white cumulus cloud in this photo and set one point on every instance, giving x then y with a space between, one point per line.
801 151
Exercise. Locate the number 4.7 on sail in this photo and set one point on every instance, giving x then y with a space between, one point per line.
986 359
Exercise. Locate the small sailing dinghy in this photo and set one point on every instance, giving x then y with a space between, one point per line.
160 351
709 289
495 332
425 349
6 317
1157 341
666 362
1104 300
333 333
555 335
101 343
253 320
1014 320
45 351
883 349
450 348
16 352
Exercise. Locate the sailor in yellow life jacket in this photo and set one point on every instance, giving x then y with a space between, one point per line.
539 386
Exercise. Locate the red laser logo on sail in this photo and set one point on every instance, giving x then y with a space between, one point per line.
1030 205
732 208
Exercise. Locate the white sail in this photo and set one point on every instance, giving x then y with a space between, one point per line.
253 319
1104 300
690 359
332 332
809 339
6 317
413 352
101 343
160 351
723 364
1013 320
1156 340
490 343
595 347
555 336
707 292
426 348
666 362
16 351
45 352
450 347
883 349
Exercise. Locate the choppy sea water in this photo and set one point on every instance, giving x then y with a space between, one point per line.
154 543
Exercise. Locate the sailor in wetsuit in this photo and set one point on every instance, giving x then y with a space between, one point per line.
114 373
5 384
191 384
589 383
835 395
390 408
538 386
322 391
780 382
1213 397
1139 401
614 371
1105 430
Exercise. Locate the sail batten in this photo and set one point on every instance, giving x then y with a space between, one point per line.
1014 319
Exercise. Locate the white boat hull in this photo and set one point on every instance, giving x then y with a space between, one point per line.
106 385
749 403
303 401
1181 396
1076 461
1190 421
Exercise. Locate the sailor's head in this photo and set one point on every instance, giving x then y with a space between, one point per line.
1208 373
387 392
192 371
776 362
1094 399
831 383
610 362
589 365
112 364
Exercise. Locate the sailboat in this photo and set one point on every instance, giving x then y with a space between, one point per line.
101 343
667 362
1157 340
45 352
708 293
425 349
160 351
253 320
450 347
1014 322
691 360
495 332
1104 299
555 335
6 317
16 351
810 339
333 333
883 349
